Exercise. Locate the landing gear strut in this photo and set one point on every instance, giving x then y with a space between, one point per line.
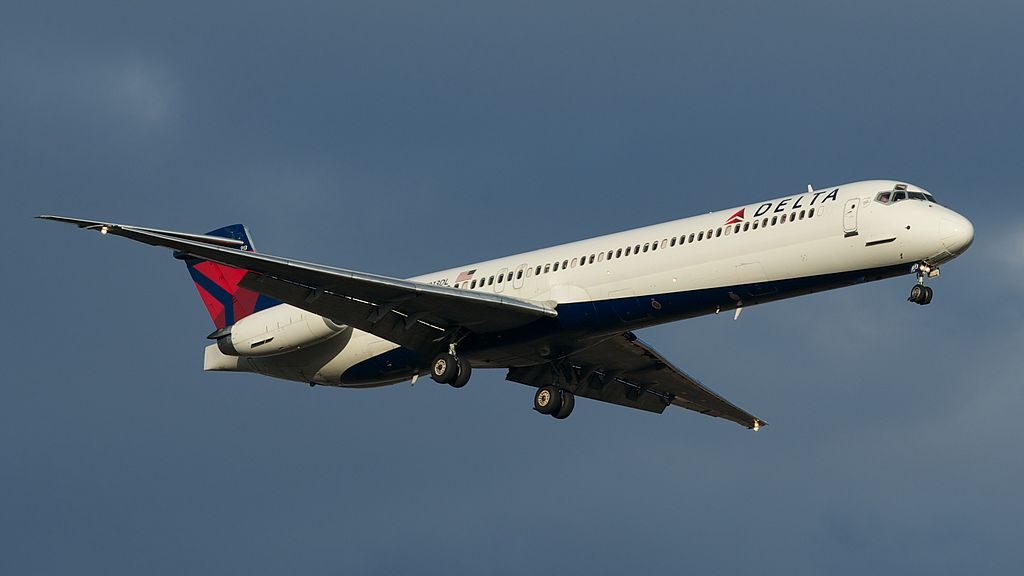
447 368
921 294
554 401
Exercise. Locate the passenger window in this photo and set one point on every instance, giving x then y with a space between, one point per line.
755 224
591 259
490 281
555 267
501 278
519 274
728 230
700 236
774 219
472 284
691 237
718 233
664 243
600 257
565 264
673 242
746 226
802 214
764 223
547 268
529 272
538 271
647 246
618 253
792 216
636 249
574 261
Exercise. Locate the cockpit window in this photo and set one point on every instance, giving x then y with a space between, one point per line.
894 196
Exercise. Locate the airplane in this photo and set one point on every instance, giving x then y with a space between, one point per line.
560 319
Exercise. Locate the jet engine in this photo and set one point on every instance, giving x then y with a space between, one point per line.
278 330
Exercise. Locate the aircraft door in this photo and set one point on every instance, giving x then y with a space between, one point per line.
850 217
520 277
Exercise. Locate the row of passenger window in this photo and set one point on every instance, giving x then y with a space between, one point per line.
638 249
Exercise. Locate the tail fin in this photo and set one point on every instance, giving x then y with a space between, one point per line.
217 284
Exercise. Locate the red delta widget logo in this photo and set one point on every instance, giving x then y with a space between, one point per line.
782 205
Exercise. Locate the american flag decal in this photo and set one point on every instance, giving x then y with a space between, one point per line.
465 276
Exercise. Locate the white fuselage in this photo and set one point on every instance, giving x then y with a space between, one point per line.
776 249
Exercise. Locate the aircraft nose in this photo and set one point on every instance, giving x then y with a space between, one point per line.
957 233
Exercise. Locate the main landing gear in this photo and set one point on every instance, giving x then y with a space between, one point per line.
921 294
447 368
554 401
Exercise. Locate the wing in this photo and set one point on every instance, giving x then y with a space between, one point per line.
413 314
624 370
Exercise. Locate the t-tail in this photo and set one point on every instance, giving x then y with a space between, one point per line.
225 300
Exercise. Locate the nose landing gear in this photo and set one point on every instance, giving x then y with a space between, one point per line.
921 294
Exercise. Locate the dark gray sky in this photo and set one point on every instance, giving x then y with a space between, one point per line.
403 137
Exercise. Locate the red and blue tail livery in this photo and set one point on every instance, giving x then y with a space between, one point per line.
217 284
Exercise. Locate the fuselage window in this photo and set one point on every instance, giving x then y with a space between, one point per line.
710 234
737 230
755 224
574 261
647 246
811 213
664 243
782 219
501 278
883 197
636 249
728 230
691 237
590 260
519 274
718 233
565 263
628 250
673 242
700 236
555 267
774 219
547 268
472 284
746 226
529 272
618 253
600 257
490 281
764 223
538 271
792 216
802 214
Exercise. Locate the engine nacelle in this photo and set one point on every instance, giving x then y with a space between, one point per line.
276 330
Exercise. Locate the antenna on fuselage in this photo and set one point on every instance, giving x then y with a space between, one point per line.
810 189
